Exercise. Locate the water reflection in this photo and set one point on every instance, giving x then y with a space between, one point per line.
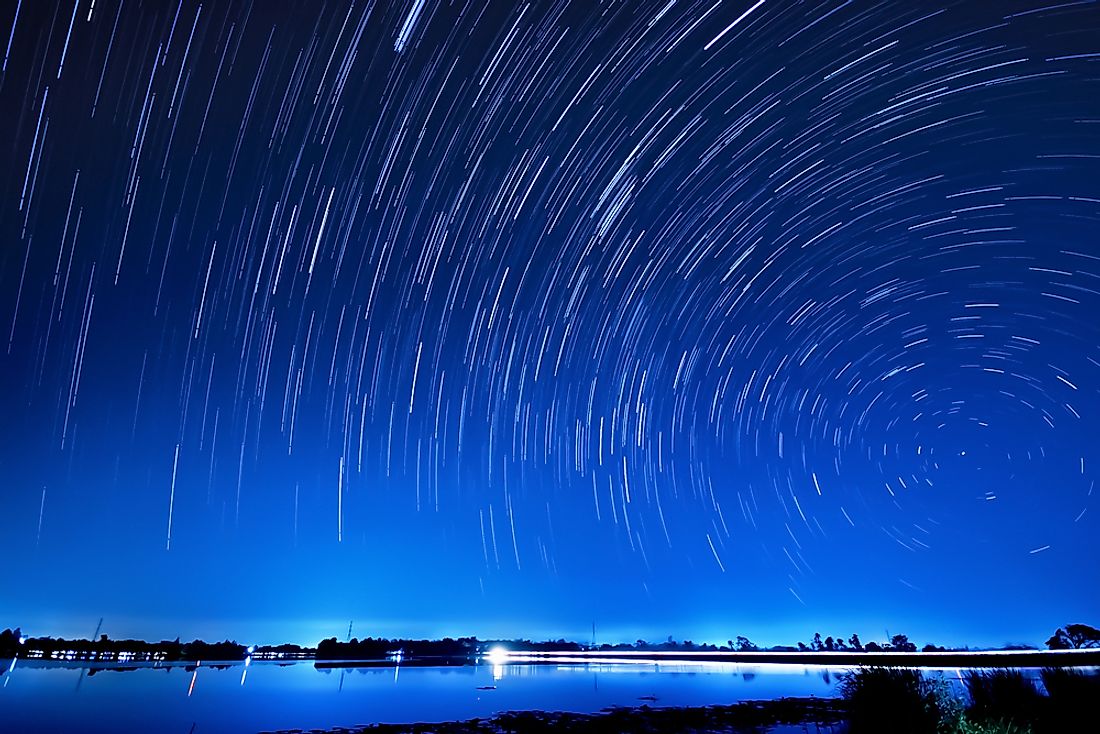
257 695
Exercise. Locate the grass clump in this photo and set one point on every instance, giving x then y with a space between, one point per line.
1002 696
966 725
908 701
1072 697
897 700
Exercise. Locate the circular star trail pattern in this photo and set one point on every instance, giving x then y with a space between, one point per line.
561 285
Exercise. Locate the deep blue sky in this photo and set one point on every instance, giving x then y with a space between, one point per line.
689 318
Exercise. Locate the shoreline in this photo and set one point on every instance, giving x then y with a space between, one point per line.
745 716
1033 659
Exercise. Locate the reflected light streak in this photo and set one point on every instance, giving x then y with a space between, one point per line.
500 655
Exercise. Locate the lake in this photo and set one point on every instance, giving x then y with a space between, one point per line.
47 696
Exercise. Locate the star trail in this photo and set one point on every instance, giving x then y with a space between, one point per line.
452 317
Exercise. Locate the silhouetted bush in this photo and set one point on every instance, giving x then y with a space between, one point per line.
898 700
1002 695
904 701
1073 695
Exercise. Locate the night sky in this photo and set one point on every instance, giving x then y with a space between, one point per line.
691 318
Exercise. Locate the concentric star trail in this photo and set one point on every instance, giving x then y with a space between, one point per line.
552 289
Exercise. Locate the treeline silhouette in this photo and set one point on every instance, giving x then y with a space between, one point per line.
107 649
377 648
13 644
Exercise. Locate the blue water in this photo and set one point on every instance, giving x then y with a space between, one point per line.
264 696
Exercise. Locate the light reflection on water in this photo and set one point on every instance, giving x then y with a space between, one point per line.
43 696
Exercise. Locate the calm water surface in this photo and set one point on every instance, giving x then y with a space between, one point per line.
263 696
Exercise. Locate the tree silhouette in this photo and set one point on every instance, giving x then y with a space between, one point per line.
855 643
902 644
9 642
1074 636
744 644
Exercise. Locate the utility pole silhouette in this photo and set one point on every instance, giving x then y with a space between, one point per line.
84 670
343 672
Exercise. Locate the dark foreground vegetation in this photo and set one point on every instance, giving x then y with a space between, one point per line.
908 701
873 701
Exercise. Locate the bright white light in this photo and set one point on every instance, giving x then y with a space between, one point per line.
497 656
251 649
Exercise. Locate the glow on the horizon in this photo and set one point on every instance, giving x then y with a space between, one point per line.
499 655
